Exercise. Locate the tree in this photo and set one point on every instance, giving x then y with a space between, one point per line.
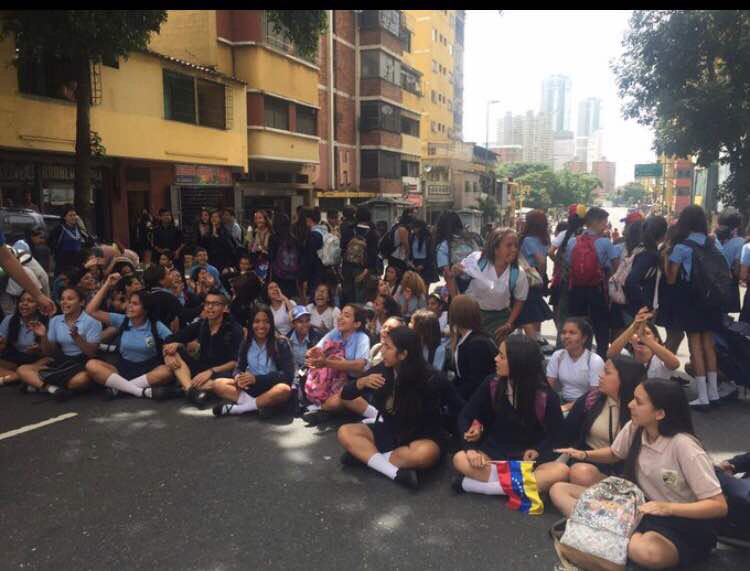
76 39
517 170
631 194
489 209
303 27
686 73
574 188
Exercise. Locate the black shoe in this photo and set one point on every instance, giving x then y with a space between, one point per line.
407 478
700 407
111 394
267 412
316 417
198 398
62 395
28 389
348 459
458 485
162 392
222 409
683 381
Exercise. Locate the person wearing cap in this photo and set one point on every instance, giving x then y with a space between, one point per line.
302 336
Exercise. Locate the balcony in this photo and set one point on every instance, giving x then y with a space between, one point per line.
279 41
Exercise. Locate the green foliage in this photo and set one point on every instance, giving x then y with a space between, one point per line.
631 194
551 189
517 170
489 208
302 27
686 74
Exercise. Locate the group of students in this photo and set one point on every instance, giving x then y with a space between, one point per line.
415 374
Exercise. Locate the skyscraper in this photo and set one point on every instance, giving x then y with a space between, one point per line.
589 116
532 132
556 101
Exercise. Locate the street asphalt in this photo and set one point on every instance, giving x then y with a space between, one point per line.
132 484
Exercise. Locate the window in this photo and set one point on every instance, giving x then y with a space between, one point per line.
432 128
467 187
433 96
475 186
410 168
434 35
47 76
379 64
378 115
211 104
389 20
409 126
405 38
179 97
409 80
434 66
380 164
276 113
307 120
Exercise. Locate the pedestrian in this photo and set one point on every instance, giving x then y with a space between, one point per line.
534 248
167 236
284 255
359 247
68 240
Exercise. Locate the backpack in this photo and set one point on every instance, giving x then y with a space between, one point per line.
711 279
617 281
604 518
388 242
286 266
461 246
585 269
330 253
323 383
482 264
356 250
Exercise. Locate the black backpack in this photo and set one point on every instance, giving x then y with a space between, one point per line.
387 242
711 278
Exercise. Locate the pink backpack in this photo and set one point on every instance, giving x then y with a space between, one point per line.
323 383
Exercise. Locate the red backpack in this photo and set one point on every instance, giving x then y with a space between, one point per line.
585 269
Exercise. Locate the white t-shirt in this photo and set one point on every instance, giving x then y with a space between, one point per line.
281 319
575 377
326 320
491 291
656 367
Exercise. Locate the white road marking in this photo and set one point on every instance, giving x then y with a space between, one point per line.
28 428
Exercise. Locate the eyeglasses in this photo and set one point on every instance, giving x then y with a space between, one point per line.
213 303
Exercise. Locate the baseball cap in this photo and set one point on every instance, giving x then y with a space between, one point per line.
299 311
632 216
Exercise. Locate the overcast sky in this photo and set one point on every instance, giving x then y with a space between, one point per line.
507 56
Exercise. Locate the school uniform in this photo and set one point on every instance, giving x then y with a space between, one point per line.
535 310
575 378
505 436
640 284
493 292
473 361
281 320
356 346
593 301
17 350
732 250
138 351
737 492
438 357
423 256
415 303
215 350
655 368
300 347
745 261
674 469
326 321
692 316
71 358
254 358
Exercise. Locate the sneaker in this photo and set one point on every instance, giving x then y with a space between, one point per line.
348 459
28 389
682 380
161 392
457 484
198 398
407 478
111 393
316 417
222 409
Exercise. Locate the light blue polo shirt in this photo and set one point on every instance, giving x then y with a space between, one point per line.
258 361
732 249
137 343
299 348
531 246
418 253
682 254
88 328
356 347
441 254
211 270
745 255
25 336
606 252
438 360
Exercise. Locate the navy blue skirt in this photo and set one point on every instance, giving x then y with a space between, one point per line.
691 315
130 369
666 314
535 309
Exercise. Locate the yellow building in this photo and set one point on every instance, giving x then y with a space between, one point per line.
283 100
164 124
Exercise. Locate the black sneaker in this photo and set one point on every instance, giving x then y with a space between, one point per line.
111 393
348 459
316 417
222 409
62 395
267 412
198 398
28 389
458 485
162 392
407 478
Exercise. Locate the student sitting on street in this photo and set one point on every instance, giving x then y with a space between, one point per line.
140 367
70 339
219 336
411 294
406 434
265 369
642 340
18 343
376 351
302 337
513 415
281 307
666 460
323 313
427 328
575 368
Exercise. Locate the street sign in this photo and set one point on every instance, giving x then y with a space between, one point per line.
648 170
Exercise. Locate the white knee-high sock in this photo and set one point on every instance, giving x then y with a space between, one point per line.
115 381
245 403
140 382
713 385
489 488
380 462
700 384
370 412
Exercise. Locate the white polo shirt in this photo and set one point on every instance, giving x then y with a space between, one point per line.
491 291
575 377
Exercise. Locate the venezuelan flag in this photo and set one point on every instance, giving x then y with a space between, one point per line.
519 484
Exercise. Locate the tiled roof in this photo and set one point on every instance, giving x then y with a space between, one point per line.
193 66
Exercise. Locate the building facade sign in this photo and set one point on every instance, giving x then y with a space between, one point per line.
201 175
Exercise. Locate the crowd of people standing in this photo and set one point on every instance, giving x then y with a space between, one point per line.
423 340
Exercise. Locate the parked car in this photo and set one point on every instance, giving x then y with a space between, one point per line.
17 222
